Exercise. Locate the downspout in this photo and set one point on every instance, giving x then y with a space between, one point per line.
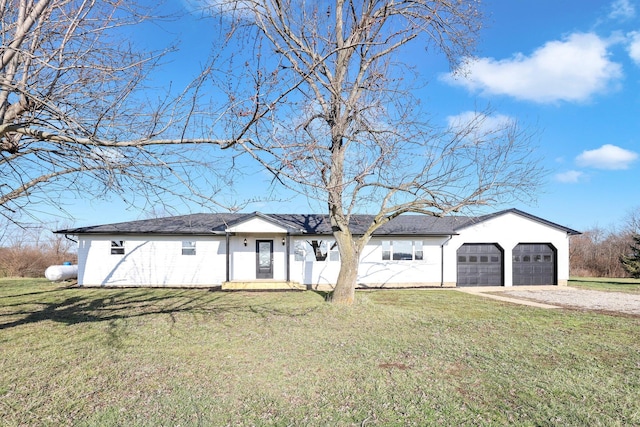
66 236
442 260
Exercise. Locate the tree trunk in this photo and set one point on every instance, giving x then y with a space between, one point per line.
345 290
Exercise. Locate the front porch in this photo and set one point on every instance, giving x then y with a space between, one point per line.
262 285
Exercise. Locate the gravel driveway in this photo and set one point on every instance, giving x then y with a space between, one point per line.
582 299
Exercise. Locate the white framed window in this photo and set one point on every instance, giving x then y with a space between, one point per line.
418 253
316 250
117 247
402 250
334 252
188 247
299 250
386 250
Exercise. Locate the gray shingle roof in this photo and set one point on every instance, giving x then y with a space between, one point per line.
217 223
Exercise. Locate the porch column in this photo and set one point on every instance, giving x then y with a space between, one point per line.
287 256
228 256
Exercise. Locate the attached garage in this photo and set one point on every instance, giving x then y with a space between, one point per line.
534 264
480 264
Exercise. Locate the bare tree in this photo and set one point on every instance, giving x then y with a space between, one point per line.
28 251
632 221
75 114
597 251
333 117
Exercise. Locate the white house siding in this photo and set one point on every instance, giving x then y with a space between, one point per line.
508 230
151 261
373 270
376 272
317 274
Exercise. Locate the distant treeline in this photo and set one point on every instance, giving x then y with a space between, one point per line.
27 252
596 252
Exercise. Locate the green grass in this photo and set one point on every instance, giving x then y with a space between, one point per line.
150 357
606 284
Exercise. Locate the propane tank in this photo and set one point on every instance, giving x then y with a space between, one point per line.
58 273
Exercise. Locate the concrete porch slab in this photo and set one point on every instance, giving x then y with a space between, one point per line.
262 285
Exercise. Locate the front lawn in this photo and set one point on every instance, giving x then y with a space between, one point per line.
150 357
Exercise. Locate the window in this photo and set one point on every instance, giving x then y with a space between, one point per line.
188 247
117 247
417 250
299 250
386 250
316 250
402 250
334 253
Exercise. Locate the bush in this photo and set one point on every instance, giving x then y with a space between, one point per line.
29 261
25 253
631 263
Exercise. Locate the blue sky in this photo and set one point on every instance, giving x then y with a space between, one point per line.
569 70
573 69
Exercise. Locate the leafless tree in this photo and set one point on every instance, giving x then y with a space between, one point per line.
27 251
76 116
597 251
632 221
333 117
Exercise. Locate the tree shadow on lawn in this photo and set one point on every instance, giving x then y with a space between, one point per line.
94 306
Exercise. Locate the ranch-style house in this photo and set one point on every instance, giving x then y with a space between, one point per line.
297 251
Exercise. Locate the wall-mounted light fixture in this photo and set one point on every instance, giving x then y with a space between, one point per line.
283 241
245 242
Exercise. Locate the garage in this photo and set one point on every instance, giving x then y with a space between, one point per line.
534 264
480 264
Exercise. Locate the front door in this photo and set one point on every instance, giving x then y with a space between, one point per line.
264 259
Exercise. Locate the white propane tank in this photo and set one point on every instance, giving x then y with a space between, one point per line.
58 273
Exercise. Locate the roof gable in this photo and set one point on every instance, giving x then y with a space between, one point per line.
259 223
519 213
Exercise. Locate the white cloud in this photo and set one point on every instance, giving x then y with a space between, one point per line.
622 9
569 177
634 46
607 157
570 70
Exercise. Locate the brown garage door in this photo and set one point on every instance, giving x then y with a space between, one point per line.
480 265
534 264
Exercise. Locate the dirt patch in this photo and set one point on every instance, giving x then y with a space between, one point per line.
582 299
400 366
